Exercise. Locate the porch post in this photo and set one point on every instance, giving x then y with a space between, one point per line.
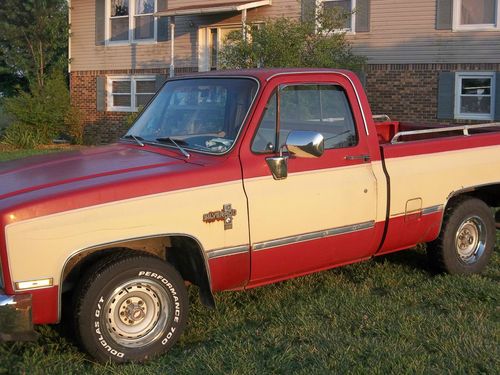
244 24
172 47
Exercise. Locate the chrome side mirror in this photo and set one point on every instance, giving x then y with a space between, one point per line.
305 144
302 144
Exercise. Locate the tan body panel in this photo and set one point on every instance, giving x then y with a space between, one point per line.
40 247
435 177
306 202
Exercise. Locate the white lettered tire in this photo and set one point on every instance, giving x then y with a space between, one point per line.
130 308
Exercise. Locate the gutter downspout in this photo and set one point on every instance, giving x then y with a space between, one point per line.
69 36
172 47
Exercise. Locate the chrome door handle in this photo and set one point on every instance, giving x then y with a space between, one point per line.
365 158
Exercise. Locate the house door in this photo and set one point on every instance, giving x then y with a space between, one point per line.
210 42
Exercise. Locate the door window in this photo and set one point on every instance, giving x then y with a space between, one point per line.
321 108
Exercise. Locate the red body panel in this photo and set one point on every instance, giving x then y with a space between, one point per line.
283 262
230 272
405 232
431 146
45 305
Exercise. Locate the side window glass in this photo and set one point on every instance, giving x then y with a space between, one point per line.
321 108
265 138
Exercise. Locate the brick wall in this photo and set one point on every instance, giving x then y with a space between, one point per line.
103 126
409 92
405 92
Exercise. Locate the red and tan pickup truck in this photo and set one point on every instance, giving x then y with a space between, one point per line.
232 180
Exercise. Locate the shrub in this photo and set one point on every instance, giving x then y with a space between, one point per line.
21 136
43 114
132 116
285 42
74 125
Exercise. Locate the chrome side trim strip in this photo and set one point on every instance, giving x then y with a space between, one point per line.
329 72
313 235
228 251
432 209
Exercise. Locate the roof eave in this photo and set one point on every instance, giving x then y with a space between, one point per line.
213 10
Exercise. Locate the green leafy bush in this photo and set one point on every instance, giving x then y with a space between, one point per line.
74 125
132 116
20 136
43 114
283 42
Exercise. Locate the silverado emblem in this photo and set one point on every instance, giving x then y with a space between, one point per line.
225 214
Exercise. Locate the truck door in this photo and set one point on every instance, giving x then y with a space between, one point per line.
324 212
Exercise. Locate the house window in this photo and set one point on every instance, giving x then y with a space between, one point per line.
346 6
476 14
474 96
131 21
119 20
128 94
144 19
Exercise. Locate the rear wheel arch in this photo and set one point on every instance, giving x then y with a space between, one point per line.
489 194
467 236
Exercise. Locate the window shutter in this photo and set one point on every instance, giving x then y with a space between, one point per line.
362 16
101 94
497 96
100 14
161 5
308 10
444 15
362 77
162 29
160 80
446 96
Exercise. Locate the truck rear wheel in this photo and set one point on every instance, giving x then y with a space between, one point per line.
130 308
466 240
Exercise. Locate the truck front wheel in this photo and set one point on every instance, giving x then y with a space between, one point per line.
130 308
467 238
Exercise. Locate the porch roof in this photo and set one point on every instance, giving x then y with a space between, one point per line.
235 6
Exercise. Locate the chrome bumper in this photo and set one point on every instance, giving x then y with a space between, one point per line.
15 318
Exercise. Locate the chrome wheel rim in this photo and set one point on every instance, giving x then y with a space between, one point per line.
137 313
470 240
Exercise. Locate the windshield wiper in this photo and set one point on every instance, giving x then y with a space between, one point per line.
136 138
175 142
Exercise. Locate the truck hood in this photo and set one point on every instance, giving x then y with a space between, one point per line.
40 172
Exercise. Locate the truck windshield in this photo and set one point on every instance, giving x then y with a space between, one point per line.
204 114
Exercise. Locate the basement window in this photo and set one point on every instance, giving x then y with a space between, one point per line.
129 93
474 96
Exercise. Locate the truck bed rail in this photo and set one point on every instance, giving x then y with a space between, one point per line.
464 128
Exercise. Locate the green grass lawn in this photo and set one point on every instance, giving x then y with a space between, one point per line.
388 315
